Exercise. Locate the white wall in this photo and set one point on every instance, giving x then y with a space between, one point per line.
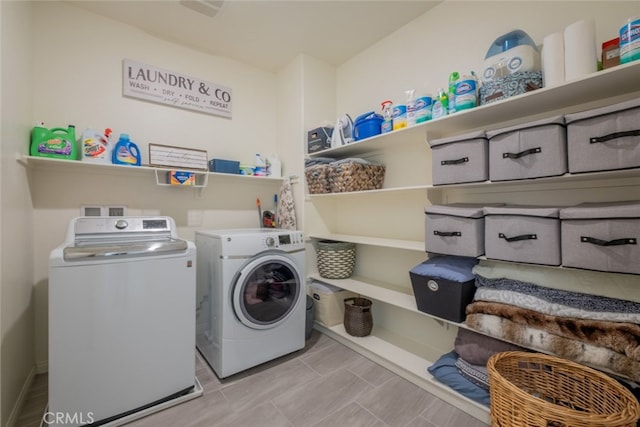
16 235
78 80
455 36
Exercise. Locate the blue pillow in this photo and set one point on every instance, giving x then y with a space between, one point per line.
445 371
454 268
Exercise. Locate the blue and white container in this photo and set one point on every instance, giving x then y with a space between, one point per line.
630 40
399 117
423 108
466 93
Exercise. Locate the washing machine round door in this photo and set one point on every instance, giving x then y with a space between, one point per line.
266 291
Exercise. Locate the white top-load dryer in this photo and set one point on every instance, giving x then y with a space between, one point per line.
250 296
121 319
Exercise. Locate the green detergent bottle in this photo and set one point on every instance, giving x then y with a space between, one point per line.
58 143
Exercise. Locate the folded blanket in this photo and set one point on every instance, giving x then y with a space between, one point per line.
543 306
477 374
623 286
568 298
620 337
541 340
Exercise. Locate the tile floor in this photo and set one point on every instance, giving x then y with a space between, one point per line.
324 385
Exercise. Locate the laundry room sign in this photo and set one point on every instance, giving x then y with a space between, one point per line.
177 90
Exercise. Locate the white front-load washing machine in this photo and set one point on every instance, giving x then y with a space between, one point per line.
250 296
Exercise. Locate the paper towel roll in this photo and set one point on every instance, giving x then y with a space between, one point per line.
580 55
553 59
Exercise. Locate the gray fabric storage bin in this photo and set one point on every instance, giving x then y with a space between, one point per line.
602 236
454 229
463 158
529 234
531 150
605 138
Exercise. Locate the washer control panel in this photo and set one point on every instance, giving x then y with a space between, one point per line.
284 240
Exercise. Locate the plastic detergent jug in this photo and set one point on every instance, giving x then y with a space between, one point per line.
387 116
96 146
274 166
125 152
58 143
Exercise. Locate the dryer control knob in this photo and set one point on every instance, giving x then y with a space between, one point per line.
121 224
270 242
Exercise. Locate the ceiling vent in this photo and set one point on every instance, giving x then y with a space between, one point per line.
206 7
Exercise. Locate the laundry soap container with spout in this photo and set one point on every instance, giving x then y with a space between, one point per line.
125 152
57 143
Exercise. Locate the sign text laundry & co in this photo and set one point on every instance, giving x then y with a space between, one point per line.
178 90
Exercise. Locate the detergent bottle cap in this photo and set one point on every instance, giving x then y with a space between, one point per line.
124 136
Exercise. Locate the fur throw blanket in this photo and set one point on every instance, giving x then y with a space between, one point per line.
622 338
541 340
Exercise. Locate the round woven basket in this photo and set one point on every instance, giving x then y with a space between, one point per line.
336 260
538 390
358 320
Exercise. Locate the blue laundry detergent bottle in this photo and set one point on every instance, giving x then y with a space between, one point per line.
125 152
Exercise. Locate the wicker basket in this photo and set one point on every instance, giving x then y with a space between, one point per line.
358 320
318 179
353 176
336 260
537 390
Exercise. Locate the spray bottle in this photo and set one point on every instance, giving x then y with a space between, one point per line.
387 116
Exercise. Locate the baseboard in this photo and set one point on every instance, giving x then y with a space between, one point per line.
22 397
42 367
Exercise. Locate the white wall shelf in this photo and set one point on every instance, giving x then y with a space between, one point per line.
395 212
406 364
596 88
411 245
52 164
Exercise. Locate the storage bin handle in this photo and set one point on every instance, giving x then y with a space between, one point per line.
615 135
447 233
454 162
518 238
616 242
522 153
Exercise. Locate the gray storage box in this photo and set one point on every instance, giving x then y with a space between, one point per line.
531 150
605 138
529 234
454 229
458 159
602 236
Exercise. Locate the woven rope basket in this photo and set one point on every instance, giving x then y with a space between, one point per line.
318 179
336 260
353 176
358 320
537 390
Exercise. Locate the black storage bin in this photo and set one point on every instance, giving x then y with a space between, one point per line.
444 297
